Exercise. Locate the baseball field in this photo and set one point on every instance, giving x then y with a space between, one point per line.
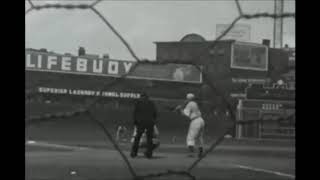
76 149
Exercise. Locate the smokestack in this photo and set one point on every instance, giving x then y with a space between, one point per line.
43 50
266 42
106 56
81 51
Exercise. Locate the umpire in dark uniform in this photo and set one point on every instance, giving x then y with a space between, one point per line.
144 116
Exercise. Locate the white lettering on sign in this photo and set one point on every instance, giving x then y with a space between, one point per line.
271 107
97 93
39 64
242 80
52 90
40 61
127 66
52 60
28 63
129 95
66 63
113 67
292 57
97 68
110 94
238 95
82 65
84 92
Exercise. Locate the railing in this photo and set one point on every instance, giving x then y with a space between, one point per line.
278 132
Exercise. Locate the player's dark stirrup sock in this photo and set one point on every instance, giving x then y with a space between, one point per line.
200 151
191 149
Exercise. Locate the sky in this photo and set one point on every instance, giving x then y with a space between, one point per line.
141 23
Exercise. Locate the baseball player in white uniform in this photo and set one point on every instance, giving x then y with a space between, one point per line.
196 127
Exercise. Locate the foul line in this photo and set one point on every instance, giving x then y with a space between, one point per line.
265 171
44 144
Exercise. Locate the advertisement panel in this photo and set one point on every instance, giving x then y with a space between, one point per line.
49 62
249 56
87 92
270 93
291 55
268 105
239 32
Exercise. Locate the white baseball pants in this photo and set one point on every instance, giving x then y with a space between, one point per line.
195 133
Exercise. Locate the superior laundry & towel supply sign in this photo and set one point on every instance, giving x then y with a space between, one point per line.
84 92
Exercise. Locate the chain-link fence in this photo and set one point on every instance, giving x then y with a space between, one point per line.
86 110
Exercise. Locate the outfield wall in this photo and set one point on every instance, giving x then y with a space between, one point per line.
81 128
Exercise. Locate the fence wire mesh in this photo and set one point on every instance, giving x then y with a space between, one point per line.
86 111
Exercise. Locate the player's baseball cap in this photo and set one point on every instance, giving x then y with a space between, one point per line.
190 96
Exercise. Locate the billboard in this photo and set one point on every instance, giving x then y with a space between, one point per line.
87 92
239 32
270 93
49 62
249 56
268 105
291 55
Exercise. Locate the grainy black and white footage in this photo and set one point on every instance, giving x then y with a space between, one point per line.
160 89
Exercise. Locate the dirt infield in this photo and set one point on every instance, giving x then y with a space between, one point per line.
50 161
57 154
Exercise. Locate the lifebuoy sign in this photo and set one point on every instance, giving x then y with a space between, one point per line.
49 62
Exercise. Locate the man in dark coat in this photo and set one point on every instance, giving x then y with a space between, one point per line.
144 116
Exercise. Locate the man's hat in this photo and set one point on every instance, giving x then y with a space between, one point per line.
190 96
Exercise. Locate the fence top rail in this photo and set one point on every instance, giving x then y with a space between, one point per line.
276 134
279 128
